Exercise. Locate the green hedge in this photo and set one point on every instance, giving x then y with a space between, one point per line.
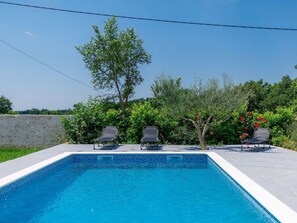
91 117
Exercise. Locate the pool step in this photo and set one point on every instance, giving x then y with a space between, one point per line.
174 158
105 158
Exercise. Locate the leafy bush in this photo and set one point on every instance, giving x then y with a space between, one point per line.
291 141
289 144
88 121
178 132
279 123
242 124
142 114
226 132
293 131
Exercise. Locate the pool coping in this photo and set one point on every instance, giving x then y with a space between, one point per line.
278 209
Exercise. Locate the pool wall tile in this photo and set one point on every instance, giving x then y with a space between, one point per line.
39 173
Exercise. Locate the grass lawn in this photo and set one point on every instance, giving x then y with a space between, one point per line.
12 153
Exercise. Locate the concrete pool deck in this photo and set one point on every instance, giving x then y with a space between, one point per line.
274 169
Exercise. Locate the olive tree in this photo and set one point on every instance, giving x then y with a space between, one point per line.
113 58
203 104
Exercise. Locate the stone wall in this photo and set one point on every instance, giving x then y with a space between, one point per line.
30 130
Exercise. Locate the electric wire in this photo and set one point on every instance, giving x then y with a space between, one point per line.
151 19
44 64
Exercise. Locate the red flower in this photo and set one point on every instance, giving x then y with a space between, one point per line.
257 125
241 119
259 118
244 135
264 120
246 128
249 114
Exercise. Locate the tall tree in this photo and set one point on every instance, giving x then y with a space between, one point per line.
281 94
113 58
5 105
258 90
203 105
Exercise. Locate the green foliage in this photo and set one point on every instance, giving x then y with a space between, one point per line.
289 144
267 97
35 111
279 140
88 121
258 91
5 105
239 123
142 114
291 141
281 94
293 131
169 92
218 111
183 134
279 123
203 105
90 118
226 132
113 58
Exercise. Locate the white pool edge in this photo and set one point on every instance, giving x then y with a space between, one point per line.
277 208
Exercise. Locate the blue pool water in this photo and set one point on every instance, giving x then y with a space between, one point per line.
129 188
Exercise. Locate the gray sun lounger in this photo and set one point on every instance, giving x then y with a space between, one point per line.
260 136
150 136
109 134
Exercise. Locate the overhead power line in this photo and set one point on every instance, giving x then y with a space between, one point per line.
151 19
44 64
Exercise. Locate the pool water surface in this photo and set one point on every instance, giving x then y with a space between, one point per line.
129 188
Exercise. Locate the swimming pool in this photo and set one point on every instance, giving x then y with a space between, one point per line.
129 188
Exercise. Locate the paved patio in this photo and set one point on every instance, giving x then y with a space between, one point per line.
274 169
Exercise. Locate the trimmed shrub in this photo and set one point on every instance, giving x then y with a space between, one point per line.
89 119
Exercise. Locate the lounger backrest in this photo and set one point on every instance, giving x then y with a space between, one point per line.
150 131
261 134
110 131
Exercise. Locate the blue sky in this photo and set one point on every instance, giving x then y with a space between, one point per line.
191 52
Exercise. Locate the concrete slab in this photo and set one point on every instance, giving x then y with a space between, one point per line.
274 169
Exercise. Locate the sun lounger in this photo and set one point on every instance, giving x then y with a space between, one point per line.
109 134
260 136
150 136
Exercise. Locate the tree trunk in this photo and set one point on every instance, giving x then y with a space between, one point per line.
201 136
202 143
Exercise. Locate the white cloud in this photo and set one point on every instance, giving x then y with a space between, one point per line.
29 33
